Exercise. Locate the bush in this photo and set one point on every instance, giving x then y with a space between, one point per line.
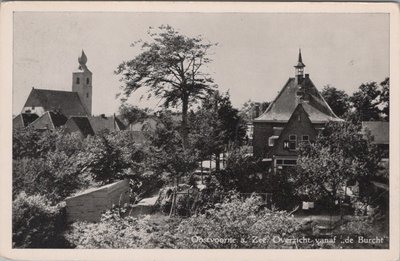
240 221
113 231
37 224
56 176
234 218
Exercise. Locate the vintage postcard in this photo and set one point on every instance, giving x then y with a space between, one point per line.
199 131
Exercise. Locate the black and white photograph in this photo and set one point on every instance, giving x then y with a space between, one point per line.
201 130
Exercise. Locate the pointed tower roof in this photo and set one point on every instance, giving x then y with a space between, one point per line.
82 60
300 63
298 90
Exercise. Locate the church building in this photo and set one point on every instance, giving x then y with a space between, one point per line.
49 109
296 115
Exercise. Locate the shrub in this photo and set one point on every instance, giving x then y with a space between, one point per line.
56 176
113 231
238 220
37 224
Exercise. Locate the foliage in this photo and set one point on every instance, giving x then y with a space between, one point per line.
113 231
102 159
340 154
234 218
56 176
384 98
171 67
371 101
167 155
239 220
37 224
215 125
51 166
132 114
248 110
338 100
31 143
242 173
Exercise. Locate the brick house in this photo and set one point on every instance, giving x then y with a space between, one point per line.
296 115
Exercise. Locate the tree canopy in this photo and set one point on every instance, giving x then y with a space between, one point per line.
340 154
171 66
338 100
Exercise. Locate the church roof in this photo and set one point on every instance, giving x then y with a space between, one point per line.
68 103
287 100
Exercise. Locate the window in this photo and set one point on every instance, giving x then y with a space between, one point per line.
77 80
292 137
277 131
271 140
305 138
87 95
292 145
286 162
289 162
87 80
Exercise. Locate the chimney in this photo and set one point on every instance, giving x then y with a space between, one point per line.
256 111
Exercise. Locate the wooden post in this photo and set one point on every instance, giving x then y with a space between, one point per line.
201 170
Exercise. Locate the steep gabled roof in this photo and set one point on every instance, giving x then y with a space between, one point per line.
68 103
24 119
79 123
49 121
287 100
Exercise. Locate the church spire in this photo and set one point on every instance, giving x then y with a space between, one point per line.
82 61
299 67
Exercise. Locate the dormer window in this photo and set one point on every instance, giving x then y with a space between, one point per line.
77 80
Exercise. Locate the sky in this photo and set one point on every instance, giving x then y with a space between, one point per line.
254 57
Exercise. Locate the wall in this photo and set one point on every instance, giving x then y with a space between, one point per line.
89 204
262 131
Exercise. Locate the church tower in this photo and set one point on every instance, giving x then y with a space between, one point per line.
82 83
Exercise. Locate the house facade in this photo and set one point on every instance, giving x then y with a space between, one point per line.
296 115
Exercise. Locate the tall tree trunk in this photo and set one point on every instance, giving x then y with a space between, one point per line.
185 107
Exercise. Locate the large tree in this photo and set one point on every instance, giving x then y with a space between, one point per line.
172 67
215 125
365 101
340 154
338 100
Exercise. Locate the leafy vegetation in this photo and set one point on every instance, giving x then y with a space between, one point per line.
37 224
